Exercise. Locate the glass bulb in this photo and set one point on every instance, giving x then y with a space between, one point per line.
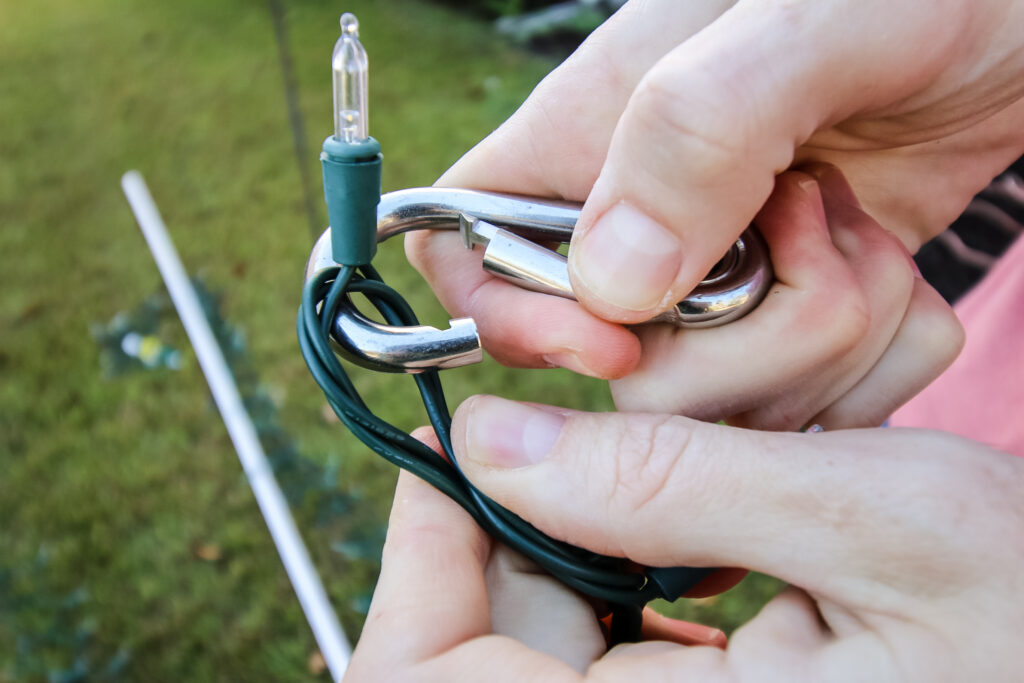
350 66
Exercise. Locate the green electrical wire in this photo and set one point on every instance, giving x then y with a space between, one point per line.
612 579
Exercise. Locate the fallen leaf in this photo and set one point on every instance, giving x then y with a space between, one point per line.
330 417
316 663
208 552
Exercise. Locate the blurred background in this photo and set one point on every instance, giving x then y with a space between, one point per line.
131 547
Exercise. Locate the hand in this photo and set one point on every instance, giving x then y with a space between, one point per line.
674 118
846 335
903 547
451 604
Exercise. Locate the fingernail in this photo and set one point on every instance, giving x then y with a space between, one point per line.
627 259
507 434
809 186
690 633
569 361
812 190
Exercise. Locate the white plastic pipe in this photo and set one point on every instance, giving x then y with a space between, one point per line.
334 646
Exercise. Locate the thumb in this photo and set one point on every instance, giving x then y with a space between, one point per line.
694 154
638 485
670 491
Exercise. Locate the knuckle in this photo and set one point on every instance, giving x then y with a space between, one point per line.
701 130
894 267
935 329
851 320
648 468
841 319
946 341
444 545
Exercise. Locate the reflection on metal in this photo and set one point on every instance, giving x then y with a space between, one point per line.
405 349
509 227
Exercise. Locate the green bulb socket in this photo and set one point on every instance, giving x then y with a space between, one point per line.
352 190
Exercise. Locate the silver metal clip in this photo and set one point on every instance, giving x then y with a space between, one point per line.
509 228
733 288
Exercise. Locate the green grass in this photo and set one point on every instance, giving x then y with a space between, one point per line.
120 480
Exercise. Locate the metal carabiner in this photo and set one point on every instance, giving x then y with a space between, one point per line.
509 227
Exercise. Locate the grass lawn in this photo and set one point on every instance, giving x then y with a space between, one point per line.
128 486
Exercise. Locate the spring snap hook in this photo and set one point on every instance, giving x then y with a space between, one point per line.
509 227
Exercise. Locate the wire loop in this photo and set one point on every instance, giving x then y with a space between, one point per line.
615 580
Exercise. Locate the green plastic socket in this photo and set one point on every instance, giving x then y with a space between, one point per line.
352 190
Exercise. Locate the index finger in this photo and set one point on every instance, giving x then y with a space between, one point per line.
431 594
554 147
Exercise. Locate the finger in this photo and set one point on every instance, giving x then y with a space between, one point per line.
554 145
663 662
668 491
927 342
813 316
785 636
428 437
694 154
518 327
935 181
790 621
830 317
431 594
779 644
791 633
659 627
883 271
496 659
787 632
535 609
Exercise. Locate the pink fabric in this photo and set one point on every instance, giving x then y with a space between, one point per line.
982 395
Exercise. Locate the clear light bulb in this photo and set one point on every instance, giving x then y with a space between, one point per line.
350 66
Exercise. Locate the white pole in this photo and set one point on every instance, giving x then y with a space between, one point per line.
321 616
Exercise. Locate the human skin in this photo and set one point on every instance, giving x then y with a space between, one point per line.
847 333
673 120
903 549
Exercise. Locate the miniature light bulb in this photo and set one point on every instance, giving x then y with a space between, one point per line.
350 159
350 65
